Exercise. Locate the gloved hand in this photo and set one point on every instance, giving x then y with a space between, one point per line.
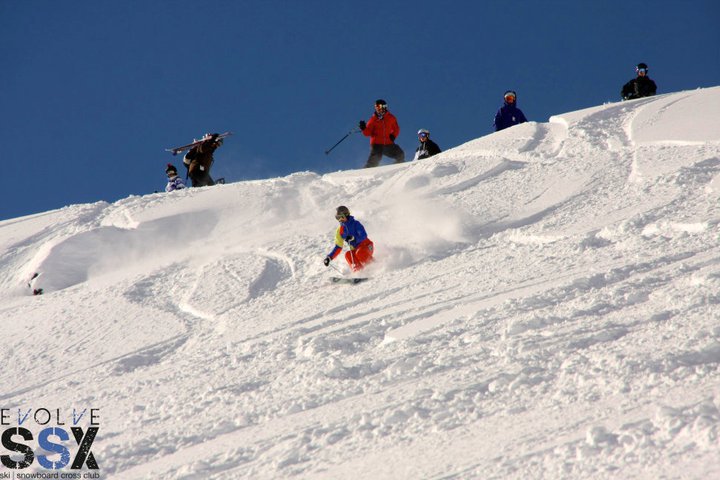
362 124
350 238
392 138
326 261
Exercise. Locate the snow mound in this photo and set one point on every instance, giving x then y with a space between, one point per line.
544 305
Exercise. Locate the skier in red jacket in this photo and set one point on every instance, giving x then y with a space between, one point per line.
383 129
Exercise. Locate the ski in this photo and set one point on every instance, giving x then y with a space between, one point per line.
182 148
348 280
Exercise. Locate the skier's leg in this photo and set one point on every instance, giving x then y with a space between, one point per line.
207 180
195 181
350 260
376 152
364 253
361 256
195 174
201 178
395 152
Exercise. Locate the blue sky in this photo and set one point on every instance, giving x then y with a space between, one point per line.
92 92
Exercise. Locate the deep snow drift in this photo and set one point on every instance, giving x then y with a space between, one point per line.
545 305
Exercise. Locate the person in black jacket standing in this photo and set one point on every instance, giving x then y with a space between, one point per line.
641 86
427 147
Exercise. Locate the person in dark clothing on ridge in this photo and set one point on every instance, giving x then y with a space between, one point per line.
640 86
200 158
509 115
383 129
427 147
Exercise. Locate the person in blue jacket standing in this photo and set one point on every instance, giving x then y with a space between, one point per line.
509 115
353 233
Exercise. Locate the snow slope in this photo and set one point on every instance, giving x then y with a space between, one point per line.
545 305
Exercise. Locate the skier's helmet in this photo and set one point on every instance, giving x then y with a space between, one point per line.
381 103
170 169
342 212
423 132
510 96
641 66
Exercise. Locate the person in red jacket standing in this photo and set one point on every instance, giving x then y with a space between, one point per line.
383 129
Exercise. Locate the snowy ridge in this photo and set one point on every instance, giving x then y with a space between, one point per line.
545 305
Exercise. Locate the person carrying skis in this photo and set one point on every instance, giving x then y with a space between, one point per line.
383 129
174 182
199 159
509 115
351 231
427 147
640 86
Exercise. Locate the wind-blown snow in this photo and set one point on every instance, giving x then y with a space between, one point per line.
546 304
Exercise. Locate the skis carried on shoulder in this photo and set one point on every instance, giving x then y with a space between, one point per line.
182 148
348 280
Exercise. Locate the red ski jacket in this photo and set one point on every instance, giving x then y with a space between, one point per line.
380 129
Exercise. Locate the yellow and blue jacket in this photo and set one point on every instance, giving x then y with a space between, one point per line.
350 228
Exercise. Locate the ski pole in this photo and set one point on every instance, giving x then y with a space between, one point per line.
354 259
336 269
356 129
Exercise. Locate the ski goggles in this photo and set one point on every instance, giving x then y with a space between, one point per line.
422 135
340 217
642 70
510 97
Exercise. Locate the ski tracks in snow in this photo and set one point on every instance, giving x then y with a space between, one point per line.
524 281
